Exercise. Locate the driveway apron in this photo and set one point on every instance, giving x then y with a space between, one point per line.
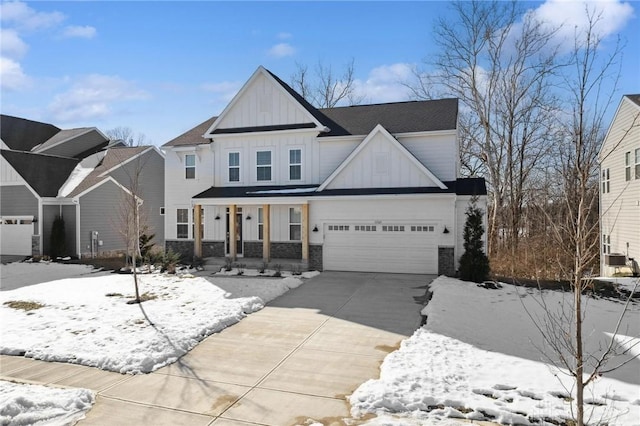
294 361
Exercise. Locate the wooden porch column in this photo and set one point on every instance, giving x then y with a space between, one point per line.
197 230
305 232
266 232
233 250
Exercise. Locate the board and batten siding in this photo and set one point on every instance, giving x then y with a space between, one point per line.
263 103
332 153
620 207
438 153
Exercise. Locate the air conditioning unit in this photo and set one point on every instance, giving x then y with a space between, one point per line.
615 259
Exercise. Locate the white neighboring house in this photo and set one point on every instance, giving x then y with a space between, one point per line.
619 159
360 188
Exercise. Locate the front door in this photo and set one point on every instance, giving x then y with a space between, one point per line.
238 232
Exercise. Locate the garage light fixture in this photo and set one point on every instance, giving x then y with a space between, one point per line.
446 231
315 228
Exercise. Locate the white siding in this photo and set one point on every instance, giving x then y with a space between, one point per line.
380 164
437 152
332 153
620 207
263 103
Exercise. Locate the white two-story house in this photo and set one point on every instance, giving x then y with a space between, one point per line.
360 188
619 159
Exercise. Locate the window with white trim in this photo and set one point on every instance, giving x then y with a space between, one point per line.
182 223
627 166
295 223
637 155
393 228
190 166
263 165
234 167
605 181
366 228
260 224
423 228
338 227
295 164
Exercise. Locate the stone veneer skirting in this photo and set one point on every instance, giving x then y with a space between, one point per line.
446 261
282 250
253 249
35 245
213 249
315 257
183 247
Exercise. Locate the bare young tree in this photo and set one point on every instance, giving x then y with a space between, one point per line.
576 229
500 64
325 88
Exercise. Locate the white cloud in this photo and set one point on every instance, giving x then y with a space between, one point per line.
85 31
571 16
281 50
12 45
225 90
92 97
12 77
386 84
24 17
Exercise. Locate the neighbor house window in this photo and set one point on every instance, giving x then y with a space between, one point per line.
637 163
295 164
234 167
605 181
295 224
190 166
260 223
263 163
606 244
627 166
182 221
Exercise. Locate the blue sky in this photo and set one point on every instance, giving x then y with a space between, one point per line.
160 68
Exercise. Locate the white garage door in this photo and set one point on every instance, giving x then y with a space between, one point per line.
381 248
15 235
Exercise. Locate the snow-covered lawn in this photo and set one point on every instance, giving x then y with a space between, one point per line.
87 320
476 359
27 404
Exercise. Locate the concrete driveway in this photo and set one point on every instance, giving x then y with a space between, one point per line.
295 360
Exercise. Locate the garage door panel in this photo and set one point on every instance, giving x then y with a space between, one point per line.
405 251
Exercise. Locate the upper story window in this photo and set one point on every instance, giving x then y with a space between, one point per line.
605 181
295 223
182 221
190 166
234 167
263 165
637 154
627 166
295 164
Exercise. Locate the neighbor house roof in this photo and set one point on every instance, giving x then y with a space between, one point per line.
468 186
114 157
396 117
45 174
634 98
61 136
22 135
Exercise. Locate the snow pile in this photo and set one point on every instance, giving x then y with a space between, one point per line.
87 321
24 404
435 376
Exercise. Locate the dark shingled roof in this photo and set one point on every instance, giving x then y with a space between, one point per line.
469 186
396 117
44 173
193 136
634 98
22 135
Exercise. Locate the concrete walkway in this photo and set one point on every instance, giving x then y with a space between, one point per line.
295 360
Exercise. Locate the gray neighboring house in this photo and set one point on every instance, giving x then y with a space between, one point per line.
78 174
